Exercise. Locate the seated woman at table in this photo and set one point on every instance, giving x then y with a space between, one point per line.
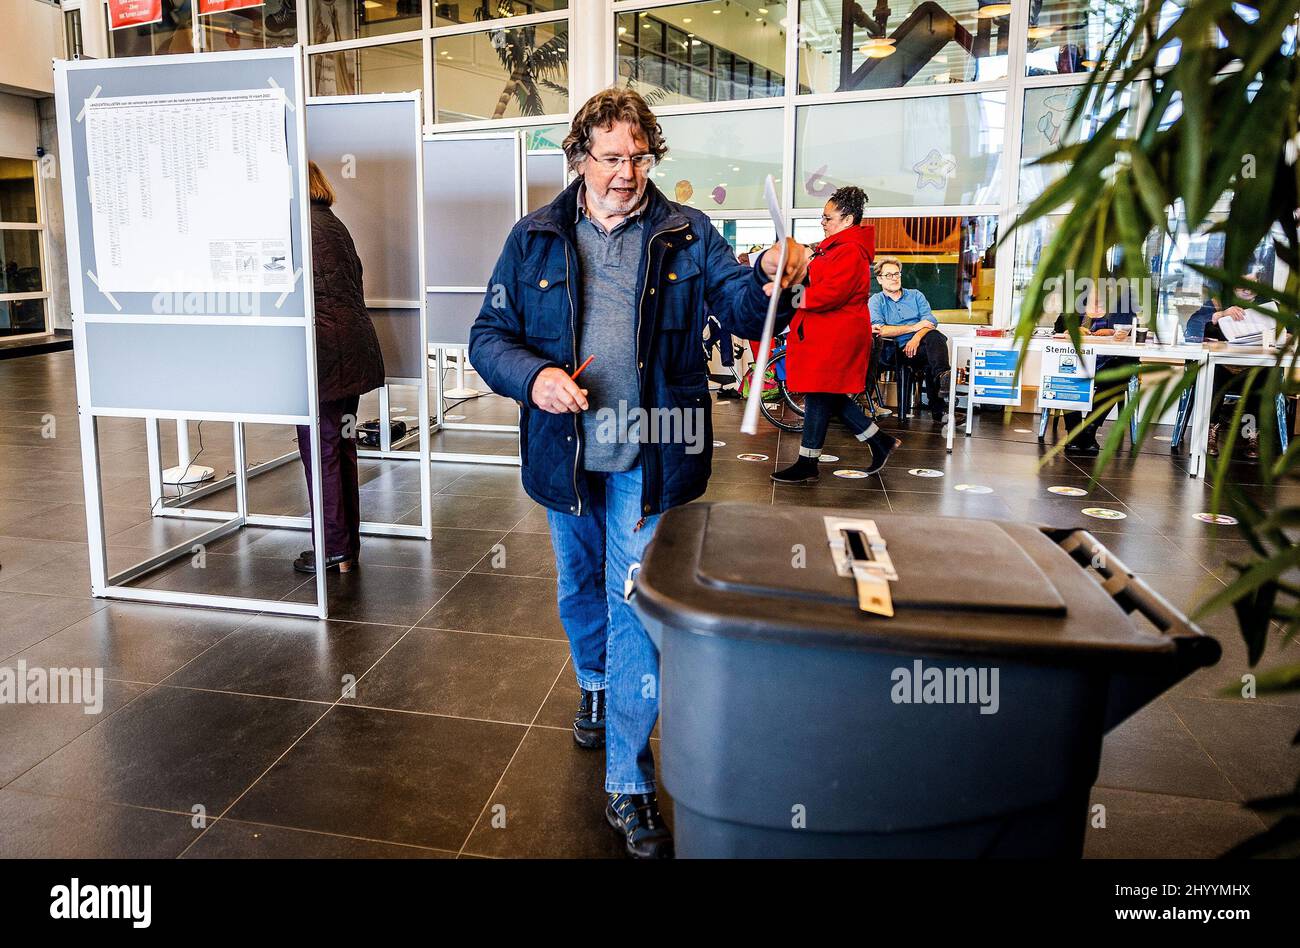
1097 322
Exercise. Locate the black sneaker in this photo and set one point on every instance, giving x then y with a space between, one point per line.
802 471
589 720
728 394
636 816
1083 449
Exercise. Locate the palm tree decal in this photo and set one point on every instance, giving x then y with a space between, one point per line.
531 67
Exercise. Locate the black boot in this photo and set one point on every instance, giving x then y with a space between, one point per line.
589 720
882 446
636 816
306 562
802 471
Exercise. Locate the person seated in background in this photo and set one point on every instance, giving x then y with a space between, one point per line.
1205 325
905 322
1096 322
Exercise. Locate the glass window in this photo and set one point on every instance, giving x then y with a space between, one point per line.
20 261
395 68
1070 35
21 317
172 34
905 152
744 235
952 260
474 11
1182 290
333 20
504 73
736 49
1047 113
718 162
902 43
1031 241
17 191
274 24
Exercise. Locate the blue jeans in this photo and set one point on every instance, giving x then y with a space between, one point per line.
611 650
818 407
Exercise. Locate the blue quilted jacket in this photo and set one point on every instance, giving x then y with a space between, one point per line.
530 319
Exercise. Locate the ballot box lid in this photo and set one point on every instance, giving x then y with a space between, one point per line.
768 574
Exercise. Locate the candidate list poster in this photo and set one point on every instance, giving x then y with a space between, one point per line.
191 192
1067 376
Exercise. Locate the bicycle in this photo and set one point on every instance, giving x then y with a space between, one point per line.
783 407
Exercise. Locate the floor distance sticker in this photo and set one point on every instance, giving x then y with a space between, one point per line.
1103 513
1220 519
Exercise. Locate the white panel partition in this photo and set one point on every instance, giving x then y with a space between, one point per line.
185 188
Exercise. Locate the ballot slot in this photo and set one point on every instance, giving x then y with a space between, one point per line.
859 551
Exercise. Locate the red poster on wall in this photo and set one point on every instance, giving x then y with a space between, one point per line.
124 13
223 6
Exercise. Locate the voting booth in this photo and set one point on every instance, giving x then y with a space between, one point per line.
476 188
185 177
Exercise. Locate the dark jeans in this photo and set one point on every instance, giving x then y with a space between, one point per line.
340 486
819 407
1230 380
931 360
1073 418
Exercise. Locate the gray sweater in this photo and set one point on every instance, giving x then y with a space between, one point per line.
609 262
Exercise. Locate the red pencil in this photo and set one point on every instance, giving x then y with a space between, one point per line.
575 375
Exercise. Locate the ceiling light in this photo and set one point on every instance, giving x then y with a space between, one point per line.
763 10
686 19
994 10
372 5
876 52
1042 32
622 30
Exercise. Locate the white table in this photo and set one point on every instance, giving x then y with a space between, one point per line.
1185 353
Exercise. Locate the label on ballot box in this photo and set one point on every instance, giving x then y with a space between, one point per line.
1067 376
993 376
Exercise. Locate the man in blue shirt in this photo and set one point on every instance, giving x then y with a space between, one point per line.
904 318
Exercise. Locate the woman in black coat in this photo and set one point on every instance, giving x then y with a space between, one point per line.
349 364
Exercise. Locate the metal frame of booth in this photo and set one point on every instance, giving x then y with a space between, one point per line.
103 328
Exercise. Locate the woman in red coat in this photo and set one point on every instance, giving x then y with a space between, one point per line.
829 345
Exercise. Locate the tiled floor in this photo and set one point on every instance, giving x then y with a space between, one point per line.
428 716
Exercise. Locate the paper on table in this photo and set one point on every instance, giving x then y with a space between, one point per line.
191 192
749 424
1250 330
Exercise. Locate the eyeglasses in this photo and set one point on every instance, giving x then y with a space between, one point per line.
826 219
890 275
615 162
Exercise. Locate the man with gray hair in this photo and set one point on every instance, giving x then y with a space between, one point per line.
614 275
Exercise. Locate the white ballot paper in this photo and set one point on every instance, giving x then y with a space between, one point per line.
749 424
191 192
